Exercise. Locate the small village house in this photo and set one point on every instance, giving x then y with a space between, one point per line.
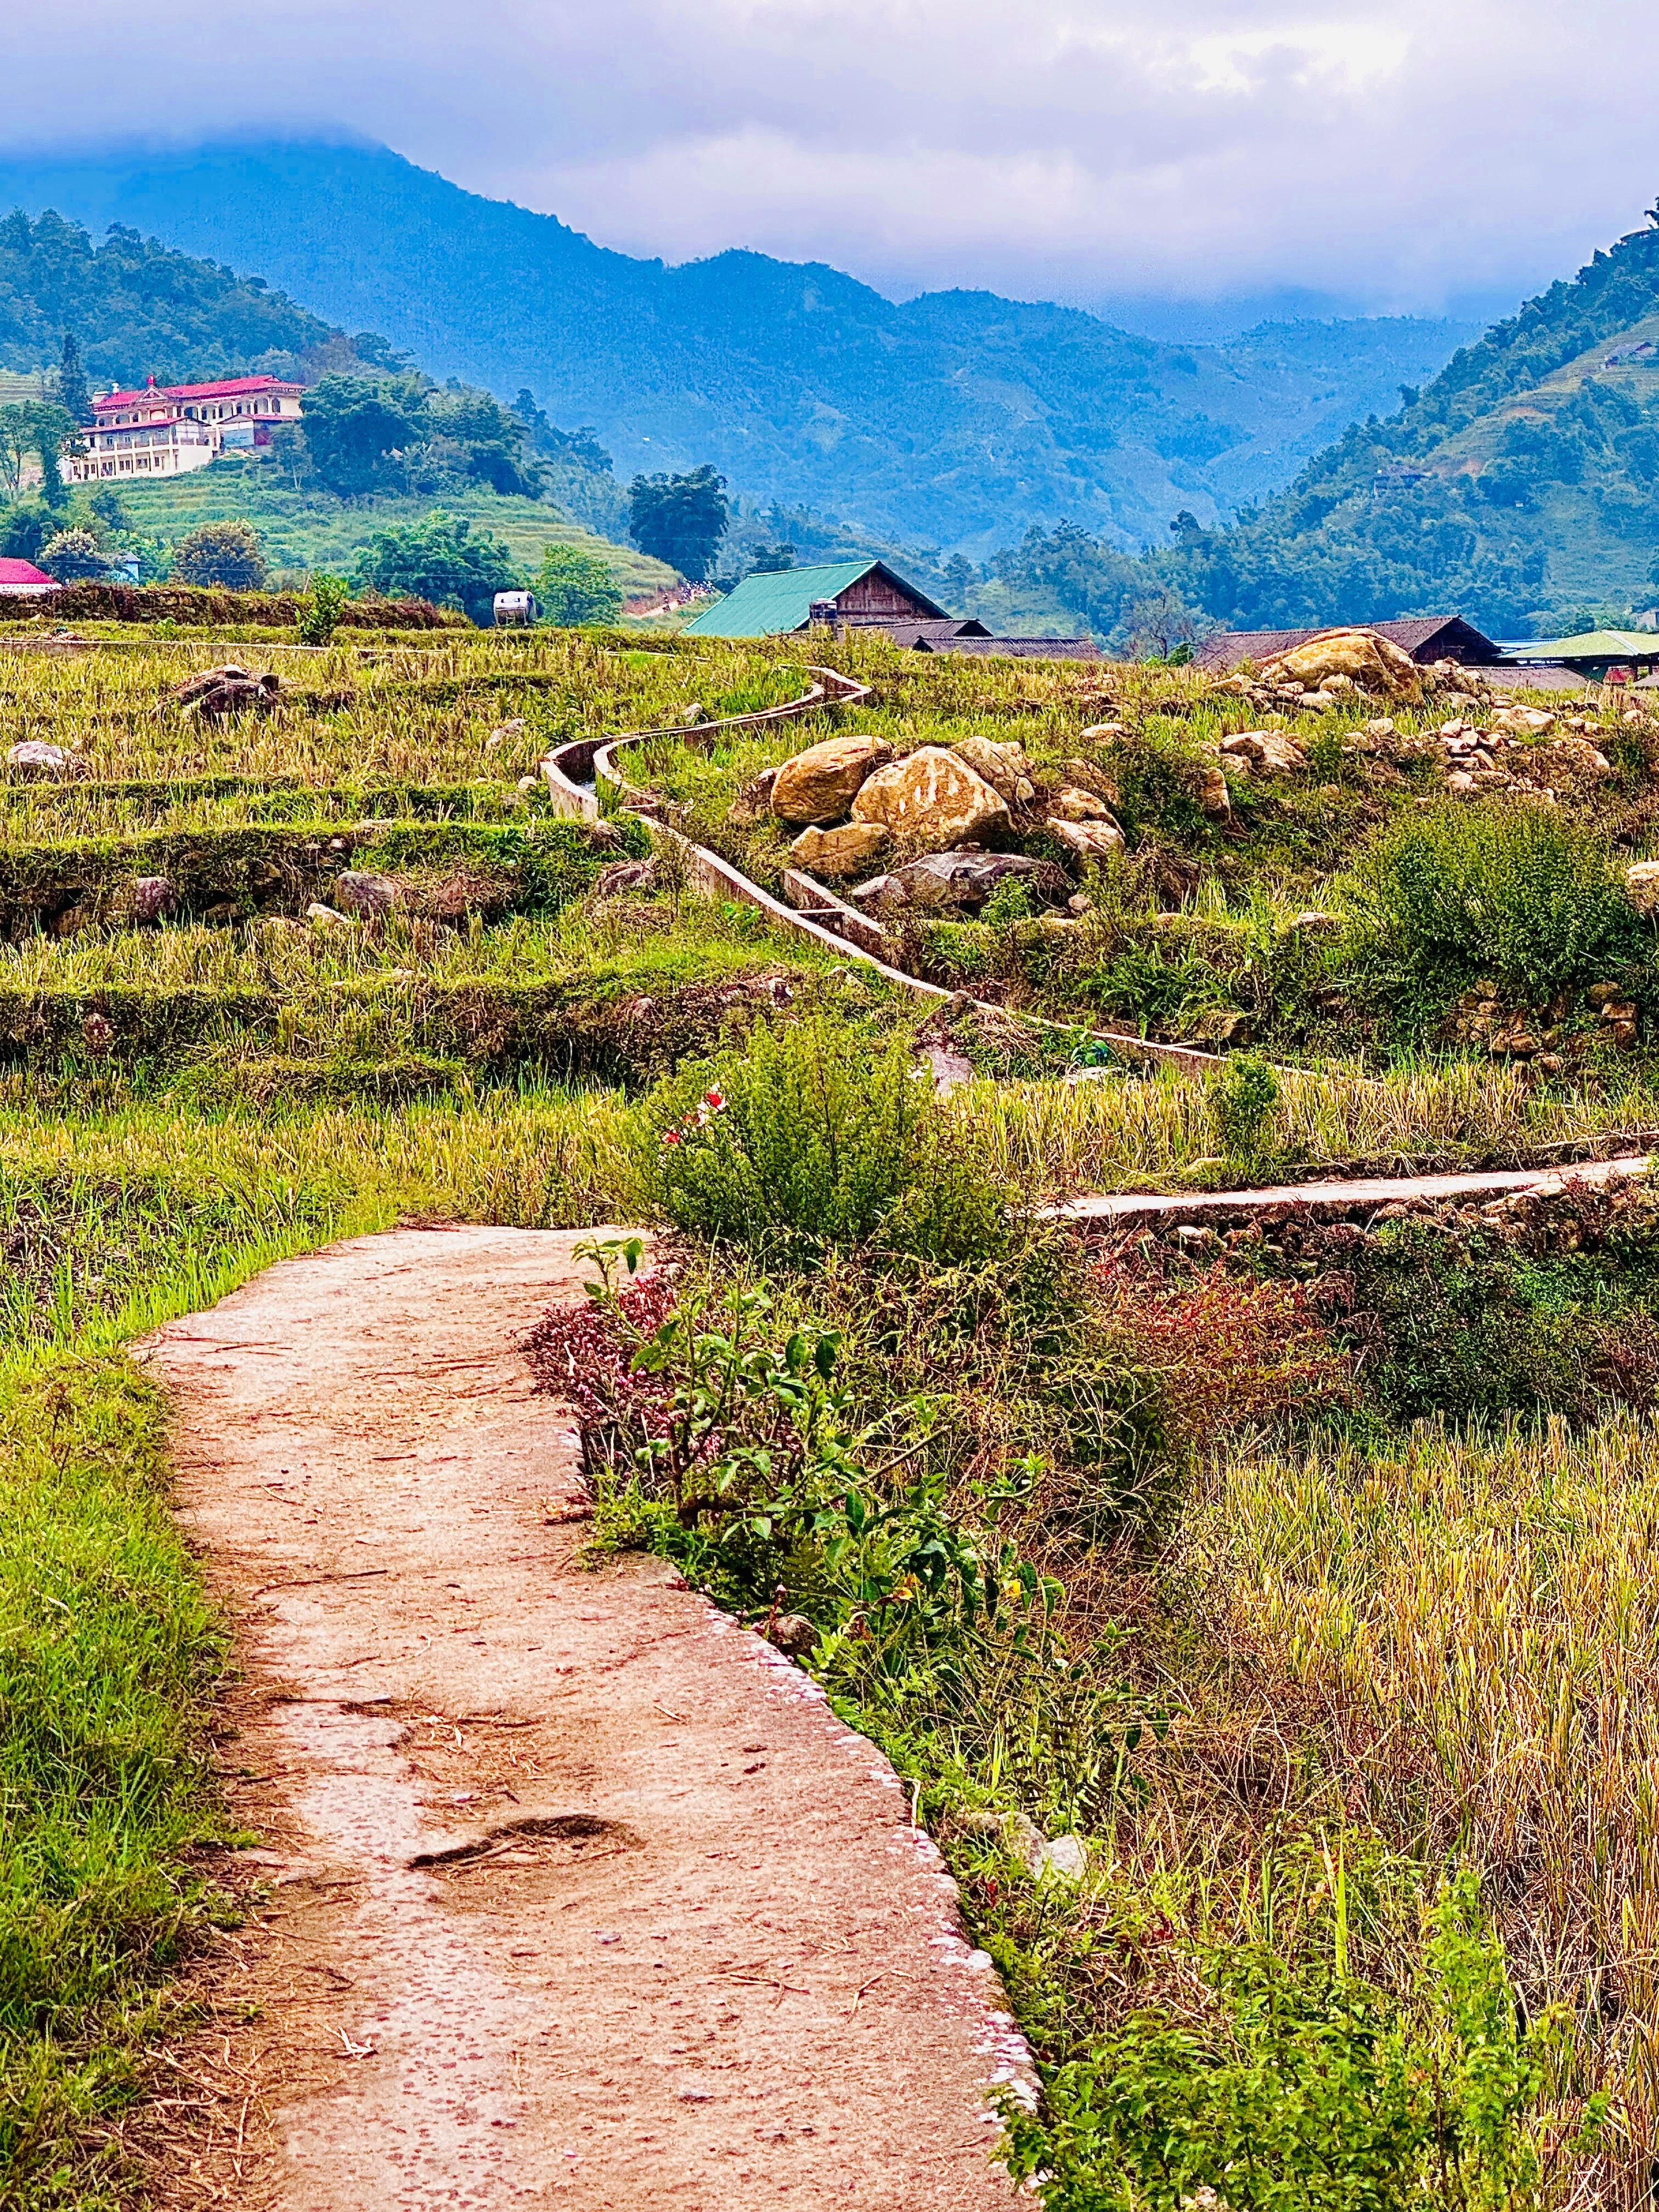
166 430
843 595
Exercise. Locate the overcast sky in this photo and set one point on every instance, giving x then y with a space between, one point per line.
1413 156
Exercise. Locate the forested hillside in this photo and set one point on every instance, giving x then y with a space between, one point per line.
1521 485
138 308
957 417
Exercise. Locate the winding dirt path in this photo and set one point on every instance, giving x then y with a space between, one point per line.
579 1893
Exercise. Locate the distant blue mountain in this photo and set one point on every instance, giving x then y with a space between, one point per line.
958 417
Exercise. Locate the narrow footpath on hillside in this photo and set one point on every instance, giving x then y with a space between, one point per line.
578 1893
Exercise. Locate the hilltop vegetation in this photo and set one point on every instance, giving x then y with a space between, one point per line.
143 309
1521 483
957 417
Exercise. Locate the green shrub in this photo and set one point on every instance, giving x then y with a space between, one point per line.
322 607
1515 891
1243 1096
808 1136
1300 2089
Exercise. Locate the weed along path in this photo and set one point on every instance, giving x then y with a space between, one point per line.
578 1893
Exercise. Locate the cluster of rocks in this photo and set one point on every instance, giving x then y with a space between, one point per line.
1479 1018
853 802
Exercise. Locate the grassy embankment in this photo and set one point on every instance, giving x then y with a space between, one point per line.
307 530
1300 1654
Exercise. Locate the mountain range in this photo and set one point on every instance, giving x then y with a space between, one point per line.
1520 487
957 418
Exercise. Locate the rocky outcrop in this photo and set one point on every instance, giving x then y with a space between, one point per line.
932 797
217 692
960 881
819 785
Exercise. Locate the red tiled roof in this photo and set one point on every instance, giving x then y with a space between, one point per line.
234 387
24 576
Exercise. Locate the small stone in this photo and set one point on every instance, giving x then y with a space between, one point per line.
1025 1841
502 732
1212 795
529 783
364 893
1004 767
327 917
1091 840
1599 993
1104 733
99 1033
1066 1858
754 802
1642 885
1079 903
1075 806
38 758
794 1635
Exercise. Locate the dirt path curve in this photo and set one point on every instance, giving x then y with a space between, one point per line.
609 1908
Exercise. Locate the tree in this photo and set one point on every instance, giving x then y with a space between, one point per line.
24 529
439 560
576 587
772 560
680 520
35 428
229 554
353 426
73 556
74 396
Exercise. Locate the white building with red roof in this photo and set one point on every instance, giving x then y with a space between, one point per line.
167 429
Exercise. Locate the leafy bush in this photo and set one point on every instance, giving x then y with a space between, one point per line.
1243 1095
1518 892
1298 2089
228 555
322 608
73 555
809 1137
442 559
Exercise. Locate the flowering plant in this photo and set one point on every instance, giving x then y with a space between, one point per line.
712 1103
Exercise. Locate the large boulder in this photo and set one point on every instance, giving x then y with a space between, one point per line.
1373 664
833 853
217 692
932 797
1004 767
820 784
963 881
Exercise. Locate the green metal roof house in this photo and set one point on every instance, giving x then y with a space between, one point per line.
772 606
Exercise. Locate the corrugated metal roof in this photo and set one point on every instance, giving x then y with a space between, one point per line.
770 606
1596 645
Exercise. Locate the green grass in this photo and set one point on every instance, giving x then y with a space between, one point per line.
307 530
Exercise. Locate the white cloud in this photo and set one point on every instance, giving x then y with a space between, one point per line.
1392 156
